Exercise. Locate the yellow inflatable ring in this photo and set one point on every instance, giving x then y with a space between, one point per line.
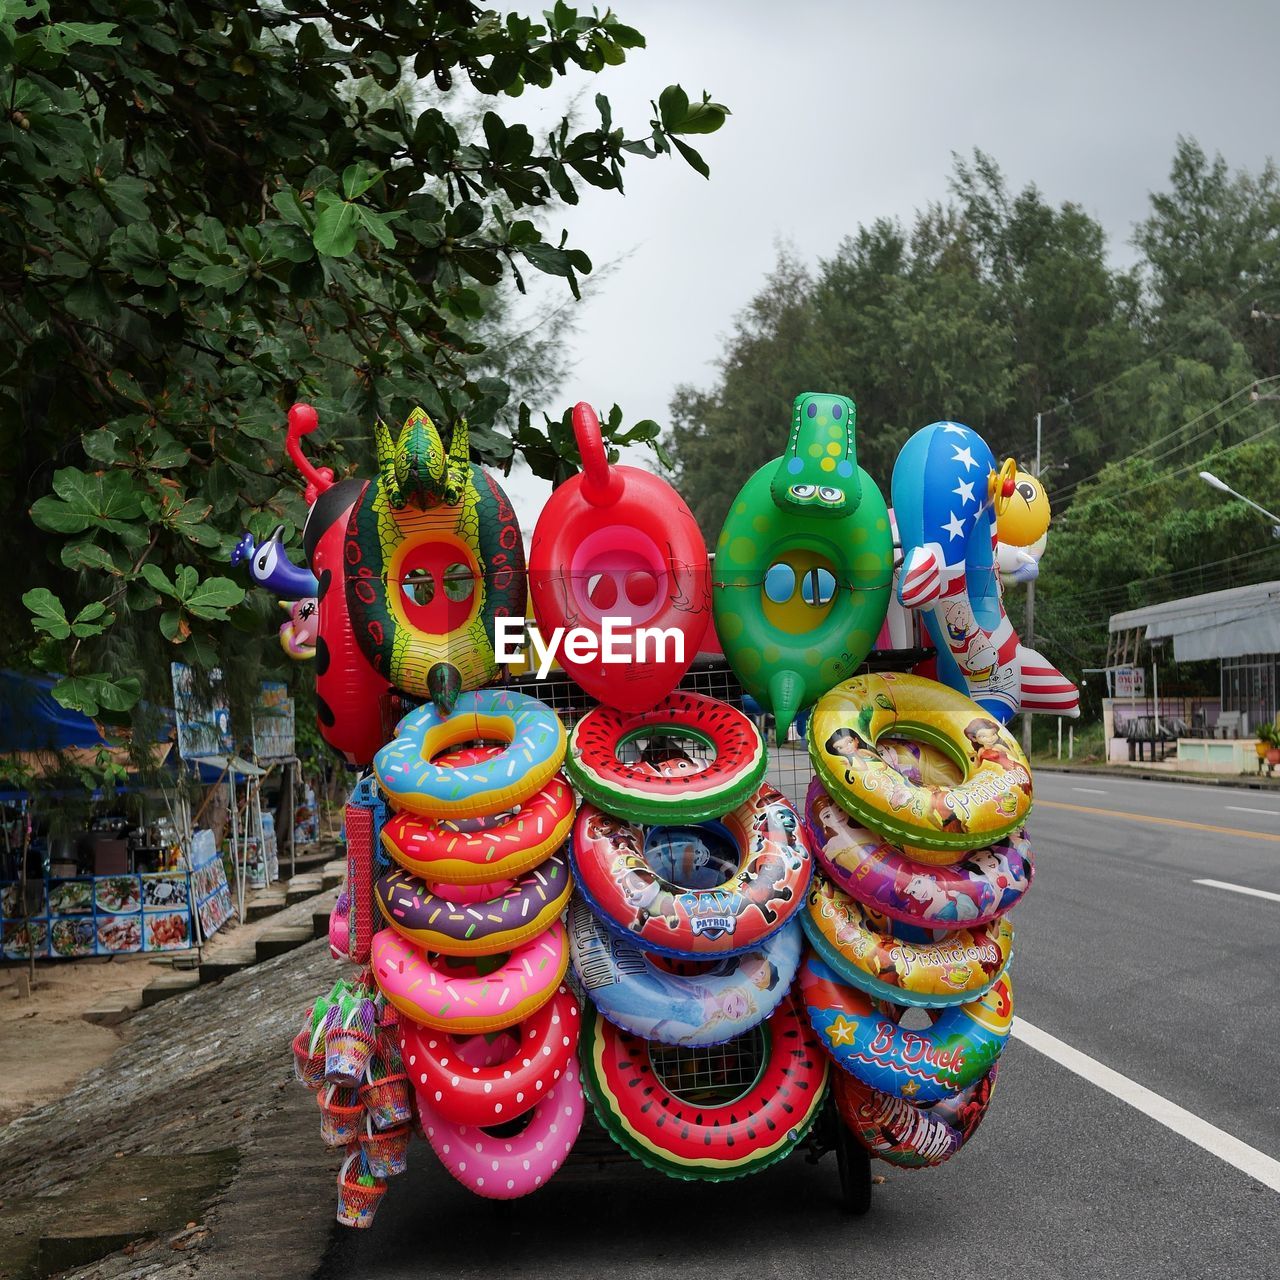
991 800
926 969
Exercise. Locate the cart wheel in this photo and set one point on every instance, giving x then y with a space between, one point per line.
855 1173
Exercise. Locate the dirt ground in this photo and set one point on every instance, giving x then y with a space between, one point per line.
45 1043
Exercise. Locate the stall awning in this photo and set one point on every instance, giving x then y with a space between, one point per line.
1220 624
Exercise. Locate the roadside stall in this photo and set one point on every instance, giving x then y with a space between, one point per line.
118 883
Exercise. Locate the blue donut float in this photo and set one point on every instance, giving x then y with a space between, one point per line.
866 1040
531 732
710 1003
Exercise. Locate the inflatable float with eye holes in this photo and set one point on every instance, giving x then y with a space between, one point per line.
865 1037
804 564
616 546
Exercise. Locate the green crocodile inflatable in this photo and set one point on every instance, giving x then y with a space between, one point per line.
804 565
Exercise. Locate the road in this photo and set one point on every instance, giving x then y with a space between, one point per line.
1121 957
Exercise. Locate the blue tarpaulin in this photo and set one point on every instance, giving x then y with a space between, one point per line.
30 720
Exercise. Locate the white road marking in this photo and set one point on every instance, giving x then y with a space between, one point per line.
1093 791
1239 888
1239 808
1256 1164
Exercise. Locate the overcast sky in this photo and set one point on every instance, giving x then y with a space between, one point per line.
845 112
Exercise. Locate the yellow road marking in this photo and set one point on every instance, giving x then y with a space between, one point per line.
1164 822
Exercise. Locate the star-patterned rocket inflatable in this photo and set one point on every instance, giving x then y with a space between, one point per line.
946 484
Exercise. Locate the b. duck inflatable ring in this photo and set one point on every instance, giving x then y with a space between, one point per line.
749 894
666 785
865 1038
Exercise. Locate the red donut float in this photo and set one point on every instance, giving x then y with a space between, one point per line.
537 1053
700 1139
665 785
620 544
481 850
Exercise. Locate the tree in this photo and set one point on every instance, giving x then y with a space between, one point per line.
720 437
988 308
207 215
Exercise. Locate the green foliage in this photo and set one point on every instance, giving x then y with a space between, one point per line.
210 211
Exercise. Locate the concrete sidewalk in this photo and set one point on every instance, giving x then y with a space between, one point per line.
192 1147
1141 773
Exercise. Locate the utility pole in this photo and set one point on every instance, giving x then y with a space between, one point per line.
1029 626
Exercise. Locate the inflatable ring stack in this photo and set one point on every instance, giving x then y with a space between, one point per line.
473 951
685 934
916 877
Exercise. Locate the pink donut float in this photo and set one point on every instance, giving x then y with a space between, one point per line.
461 995
980 888
520 1064
505 1168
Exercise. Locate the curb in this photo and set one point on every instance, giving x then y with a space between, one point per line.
1243 781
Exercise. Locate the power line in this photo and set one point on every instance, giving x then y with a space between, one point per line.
1190 570
1200 417
1252 291
1062 430
1103 610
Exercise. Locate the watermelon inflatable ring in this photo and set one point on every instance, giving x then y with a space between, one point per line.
782 1074
664 784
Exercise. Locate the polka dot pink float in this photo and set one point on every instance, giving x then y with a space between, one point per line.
505 1167
489 1083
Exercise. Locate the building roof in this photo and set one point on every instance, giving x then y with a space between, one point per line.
1220 624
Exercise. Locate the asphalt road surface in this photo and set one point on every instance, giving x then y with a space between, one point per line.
1134 1132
